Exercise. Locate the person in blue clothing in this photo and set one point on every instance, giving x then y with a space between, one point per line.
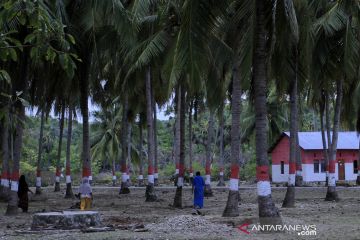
198 184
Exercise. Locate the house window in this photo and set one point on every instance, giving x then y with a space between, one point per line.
323 167
356 169
282 167
316 166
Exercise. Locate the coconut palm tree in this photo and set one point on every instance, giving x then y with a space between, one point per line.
69 192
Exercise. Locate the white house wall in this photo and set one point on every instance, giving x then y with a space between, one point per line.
276 173
349 172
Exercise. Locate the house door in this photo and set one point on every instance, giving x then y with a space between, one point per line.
341 168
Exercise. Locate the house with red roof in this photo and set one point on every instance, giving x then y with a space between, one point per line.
312 158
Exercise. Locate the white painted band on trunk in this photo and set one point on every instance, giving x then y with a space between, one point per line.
291 181
127 177
332 181
180 182
38 182
68 179
156 175
140 177
124 177
14 186
234 184
191 174
90 178
5 182
151 179
207 180
263 188
298 173
57 179
359 172
114 177
176 171
221 173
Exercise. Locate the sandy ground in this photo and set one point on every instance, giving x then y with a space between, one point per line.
333 220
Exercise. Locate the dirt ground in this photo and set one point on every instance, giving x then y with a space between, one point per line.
333 220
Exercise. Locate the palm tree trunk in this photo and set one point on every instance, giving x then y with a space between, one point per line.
12 207
331 194
221 148
69 192
181 150
232 209
156 174
323 138
5 176
208 190
177 137
268 213
129 128
150 189
58 162
190 144
38 170
141 162
124 188
289 200
328 127
84 94
298 177
358 168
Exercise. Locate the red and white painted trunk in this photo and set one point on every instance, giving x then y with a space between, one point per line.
291 180
156 173
331 178
57 175
263 184
5 179
38 178
150 175
234 178
208 173
180 182
68 173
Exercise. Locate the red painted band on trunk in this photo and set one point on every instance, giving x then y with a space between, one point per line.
292 168
207 168
86 172
191 169
68 172
156 170
332 166
57 172
299 167
177 165
234 171
15 176
38 173
262 173
181 170
123 168
221 169
5 175
150 170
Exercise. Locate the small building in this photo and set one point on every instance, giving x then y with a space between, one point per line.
313 163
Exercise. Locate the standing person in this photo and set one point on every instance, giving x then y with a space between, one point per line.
23 194
198 184
85 193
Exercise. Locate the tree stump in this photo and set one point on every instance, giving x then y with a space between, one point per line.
66 220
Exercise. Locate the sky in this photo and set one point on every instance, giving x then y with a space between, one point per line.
92 108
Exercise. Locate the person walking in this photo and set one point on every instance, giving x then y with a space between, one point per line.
23 194
198 184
